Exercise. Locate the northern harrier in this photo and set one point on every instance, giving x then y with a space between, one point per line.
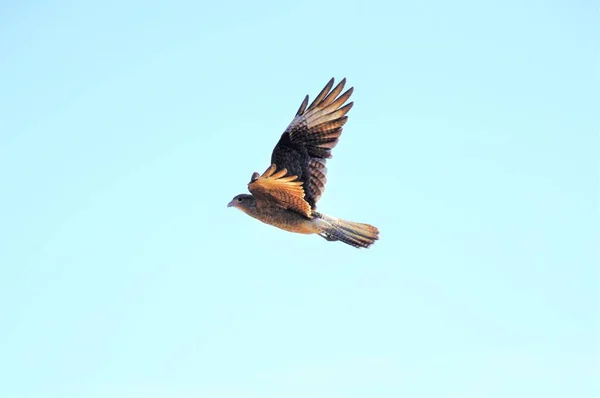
286 194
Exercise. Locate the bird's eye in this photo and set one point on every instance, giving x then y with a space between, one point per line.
239 199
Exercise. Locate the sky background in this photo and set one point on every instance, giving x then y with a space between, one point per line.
127 127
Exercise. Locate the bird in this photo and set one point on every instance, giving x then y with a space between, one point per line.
285 195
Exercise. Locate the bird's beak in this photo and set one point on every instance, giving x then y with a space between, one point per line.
230 204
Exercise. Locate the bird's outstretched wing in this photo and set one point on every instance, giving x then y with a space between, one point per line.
275 187
307 142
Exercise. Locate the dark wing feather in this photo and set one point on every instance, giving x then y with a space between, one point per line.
307 142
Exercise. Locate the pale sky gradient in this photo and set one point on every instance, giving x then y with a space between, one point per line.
127 127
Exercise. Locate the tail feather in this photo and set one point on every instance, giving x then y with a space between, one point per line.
352 233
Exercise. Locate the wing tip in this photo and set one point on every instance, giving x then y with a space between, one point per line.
303 106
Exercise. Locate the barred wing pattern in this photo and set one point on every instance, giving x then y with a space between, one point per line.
307 142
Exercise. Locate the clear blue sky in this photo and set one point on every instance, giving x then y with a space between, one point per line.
126 128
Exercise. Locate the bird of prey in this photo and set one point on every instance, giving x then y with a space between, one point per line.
286 194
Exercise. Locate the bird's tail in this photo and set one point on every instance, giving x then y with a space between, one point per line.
352 233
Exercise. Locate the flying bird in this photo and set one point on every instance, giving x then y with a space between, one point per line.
286 194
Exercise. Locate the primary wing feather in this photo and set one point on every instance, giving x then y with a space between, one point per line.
307 142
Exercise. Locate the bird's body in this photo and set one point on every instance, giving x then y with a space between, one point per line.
286 194
281 218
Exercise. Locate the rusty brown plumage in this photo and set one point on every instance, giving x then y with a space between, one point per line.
286 194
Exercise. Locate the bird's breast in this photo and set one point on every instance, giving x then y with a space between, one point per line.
283 219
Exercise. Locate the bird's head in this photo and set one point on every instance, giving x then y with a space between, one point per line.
243 202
